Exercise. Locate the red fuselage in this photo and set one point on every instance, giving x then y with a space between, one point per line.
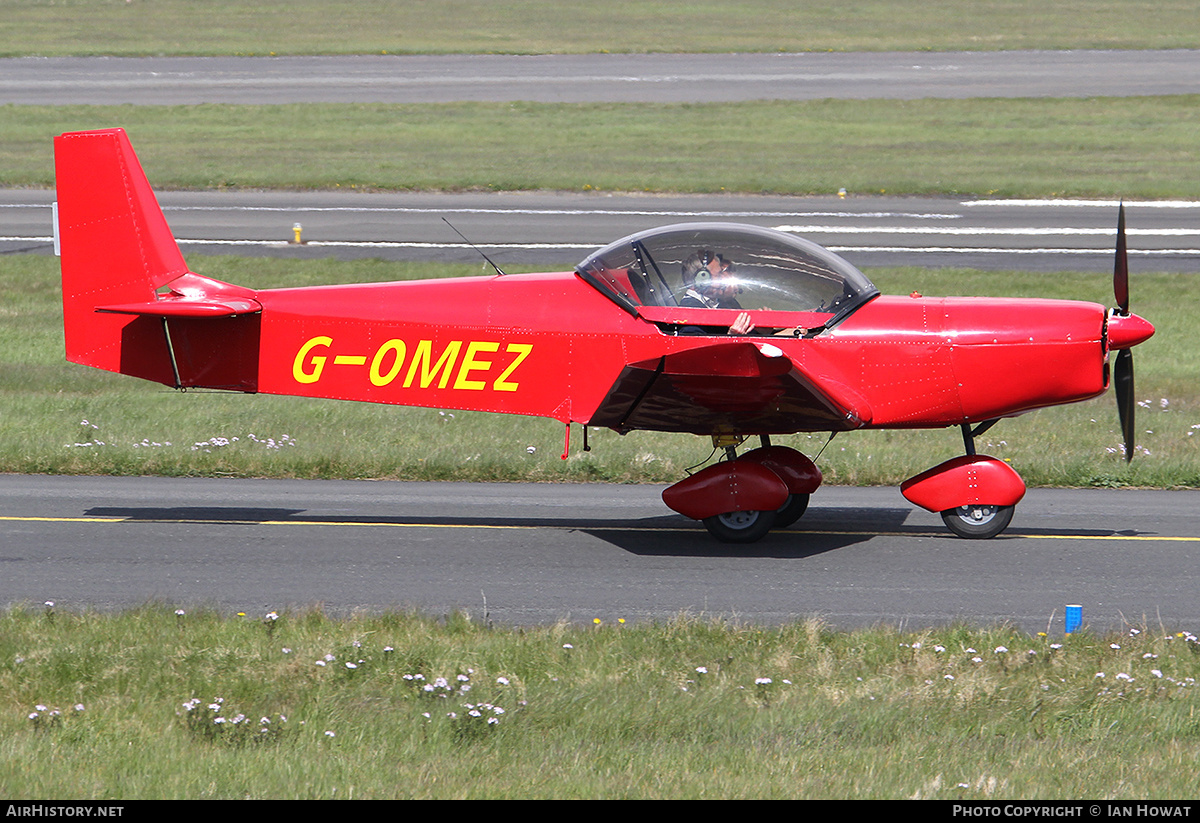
551 345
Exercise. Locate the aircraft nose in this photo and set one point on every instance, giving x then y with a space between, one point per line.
1127 330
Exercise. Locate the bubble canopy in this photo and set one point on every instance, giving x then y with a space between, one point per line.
757 268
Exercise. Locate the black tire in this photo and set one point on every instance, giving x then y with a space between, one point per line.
791 511
978 522
740 527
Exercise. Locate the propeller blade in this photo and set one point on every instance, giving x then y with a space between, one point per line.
1121 267
1123 383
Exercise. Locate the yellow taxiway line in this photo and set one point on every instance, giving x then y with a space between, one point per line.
1151 538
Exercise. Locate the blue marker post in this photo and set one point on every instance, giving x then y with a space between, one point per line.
1074 618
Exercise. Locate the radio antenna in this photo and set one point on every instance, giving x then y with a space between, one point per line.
472 245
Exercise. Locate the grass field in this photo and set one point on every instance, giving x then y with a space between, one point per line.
1127 147
126 706
141 27
134 427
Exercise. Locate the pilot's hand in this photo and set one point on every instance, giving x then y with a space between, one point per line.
742 325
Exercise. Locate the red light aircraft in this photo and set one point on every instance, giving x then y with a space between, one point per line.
646 333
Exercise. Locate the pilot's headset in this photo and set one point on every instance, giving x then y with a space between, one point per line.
697 267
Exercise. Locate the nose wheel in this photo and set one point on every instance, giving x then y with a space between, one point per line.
978 521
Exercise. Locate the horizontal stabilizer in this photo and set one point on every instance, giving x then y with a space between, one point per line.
182 307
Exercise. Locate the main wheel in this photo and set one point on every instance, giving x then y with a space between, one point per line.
978 521
740 527
791 511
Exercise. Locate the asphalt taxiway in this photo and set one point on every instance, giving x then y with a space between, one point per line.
538 553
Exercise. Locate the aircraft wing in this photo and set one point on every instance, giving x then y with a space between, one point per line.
744 386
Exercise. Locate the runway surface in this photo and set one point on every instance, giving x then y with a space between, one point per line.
558 229
524 553
582 78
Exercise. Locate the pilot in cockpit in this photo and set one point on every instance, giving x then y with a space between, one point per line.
711 285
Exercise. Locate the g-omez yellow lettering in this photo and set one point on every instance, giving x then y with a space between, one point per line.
470 373
316 364
470 364
382 379
522 351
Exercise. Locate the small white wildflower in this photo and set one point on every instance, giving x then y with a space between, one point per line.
330 734
702 670
350 665
503 681
1001 650
762 681
1156 672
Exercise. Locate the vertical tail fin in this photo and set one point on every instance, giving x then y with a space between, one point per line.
116 248
117 251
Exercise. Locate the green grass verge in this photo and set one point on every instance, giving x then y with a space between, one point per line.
139 428
1129 147
689 708
221 27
